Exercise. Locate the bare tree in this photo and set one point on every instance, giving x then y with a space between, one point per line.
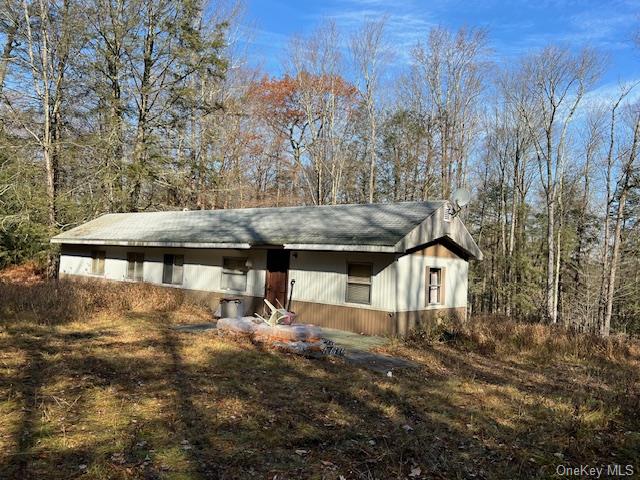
10 20
628 164
605 293
369 53
328 103
452 68
557 82
52 35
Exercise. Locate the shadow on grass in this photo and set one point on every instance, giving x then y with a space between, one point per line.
29 387
133 398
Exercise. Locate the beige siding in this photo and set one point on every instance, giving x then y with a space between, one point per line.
321 277
359 320
411 291
370 321
202 267
398 286
77 261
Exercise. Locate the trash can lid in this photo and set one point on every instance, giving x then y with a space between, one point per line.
230 299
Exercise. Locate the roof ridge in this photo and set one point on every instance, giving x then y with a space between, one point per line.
282 208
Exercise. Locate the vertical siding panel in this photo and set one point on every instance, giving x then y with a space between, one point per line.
321 279
412 280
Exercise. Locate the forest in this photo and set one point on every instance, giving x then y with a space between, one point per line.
131 105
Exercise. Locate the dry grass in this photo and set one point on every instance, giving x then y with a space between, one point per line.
108 390
27 274
56 302
503 337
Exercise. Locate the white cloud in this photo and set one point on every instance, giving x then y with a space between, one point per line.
607 93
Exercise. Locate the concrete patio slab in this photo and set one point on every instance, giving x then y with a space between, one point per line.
195 327
358 348
355 341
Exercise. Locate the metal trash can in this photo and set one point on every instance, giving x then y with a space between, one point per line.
231 308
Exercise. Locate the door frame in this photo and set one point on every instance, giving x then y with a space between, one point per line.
283 254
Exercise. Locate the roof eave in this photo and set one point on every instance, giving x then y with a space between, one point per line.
244 246
341 248
135 243
434 228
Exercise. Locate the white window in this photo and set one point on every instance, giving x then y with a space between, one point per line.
359 283
135 266
434 289
234 273
97 262
172 271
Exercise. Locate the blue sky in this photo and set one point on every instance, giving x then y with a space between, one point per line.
514 27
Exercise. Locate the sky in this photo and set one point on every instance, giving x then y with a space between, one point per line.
514 27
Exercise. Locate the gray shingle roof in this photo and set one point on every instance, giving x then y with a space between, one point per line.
374 225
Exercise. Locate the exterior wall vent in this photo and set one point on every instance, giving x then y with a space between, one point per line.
448 212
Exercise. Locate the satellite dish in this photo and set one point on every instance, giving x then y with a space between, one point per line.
461 197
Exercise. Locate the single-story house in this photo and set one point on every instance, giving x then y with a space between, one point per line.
374 269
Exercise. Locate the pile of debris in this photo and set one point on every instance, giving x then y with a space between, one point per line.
279 332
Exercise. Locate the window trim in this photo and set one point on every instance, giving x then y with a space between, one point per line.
369 283
137 256
226 271
438 286
96 257
173 266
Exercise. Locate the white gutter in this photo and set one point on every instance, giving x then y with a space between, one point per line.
135 243
243 246
340 248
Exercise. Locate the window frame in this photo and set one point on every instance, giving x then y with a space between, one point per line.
369 265
243 272
138 259
96 256
437 286
173 266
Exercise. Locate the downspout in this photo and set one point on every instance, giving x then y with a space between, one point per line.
394 315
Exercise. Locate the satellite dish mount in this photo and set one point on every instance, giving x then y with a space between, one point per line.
459 200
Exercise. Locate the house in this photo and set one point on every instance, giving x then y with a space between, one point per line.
375 269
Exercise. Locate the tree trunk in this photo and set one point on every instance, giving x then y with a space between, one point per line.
140 148
606 324
551 313
623 186
372 145
6 53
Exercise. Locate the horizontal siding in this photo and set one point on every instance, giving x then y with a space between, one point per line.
369 321
353 319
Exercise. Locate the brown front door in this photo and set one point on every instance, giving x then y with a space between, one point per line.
277 272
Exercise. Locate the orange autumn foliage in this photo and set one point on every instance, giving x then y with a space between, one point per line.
280 100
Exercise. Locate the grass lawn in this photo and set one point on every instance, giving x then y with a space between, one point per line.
120 394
